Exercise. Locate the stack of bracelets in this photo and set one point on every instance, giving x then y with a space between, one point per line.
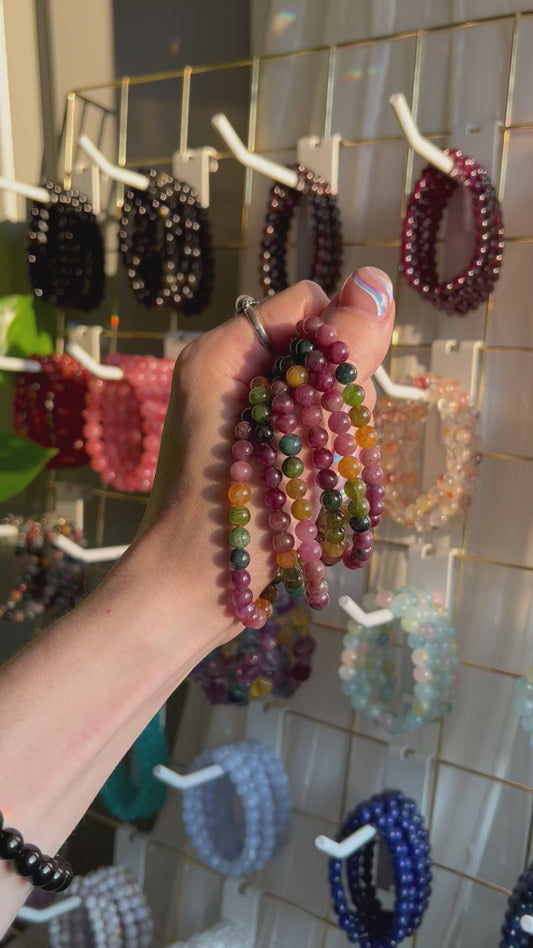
239 840
65 252
432 191
138 796
48 583
401 827
48 408
124 421
401 427
368 669
300 387
272 661
221 935
51 873
524 702
520 903
165 244
113 913
327 248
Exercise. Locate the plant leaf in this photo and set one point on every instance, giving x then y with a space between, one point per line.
21 461
26 326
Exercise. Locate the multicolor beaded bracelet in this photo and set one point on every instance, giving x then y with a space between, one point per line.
301 385
524 702
368 669
138 797
327 246
48 408
124 421
51 873
401 827
520 903
275 660
401 427
425 208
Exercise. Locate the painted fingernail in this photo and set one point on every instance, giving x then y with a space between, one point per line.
369 290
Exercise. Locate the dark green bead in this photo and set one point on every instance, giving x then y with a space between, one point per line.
261 414
346 373
258 395
353 394
297 591
300 348
282 364
290 444
239 559
360 524
291 575
331 499
292 467
239 537
239 516
264 433
246 415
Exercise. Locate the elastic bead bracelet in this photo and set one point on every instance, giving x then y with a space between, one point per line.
124 421
472 285
520 903
221 935
401 426
368 669
401 826
300 387
524 702
129 797
51 873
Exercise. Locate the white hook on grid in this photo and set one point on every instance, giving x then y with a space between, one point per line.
185 781
13 364
108 372
265 166
395 390
61 907
350 845
26 190
74 550
417 141
125 176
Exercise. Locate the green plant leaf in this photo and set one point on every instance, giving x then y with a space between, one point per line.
26 326
21 461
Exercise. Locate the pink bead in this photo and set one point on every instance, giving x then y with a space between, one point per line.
286 423
376 492
344 445
306 530
322 458
309 550
240 578
337 352
265 454
279 520
339 422
300 327
325 335
332 400
369 456
240 471
376 508
348 656
243 430
258 620
327 479
279 387
282 404
275 498
282 542
311 325
311 415
270 476
246 614
315 360
372 475
241 597
305 395
362 540
314 572
324 379
320 601
422 674
317 437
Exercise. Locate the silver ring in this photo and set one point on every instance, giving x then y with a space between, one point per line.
244 306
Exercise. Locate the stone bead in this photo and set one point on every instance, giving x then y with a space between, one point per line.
331 499
282 542
271 477
261 414
287 424
360 524
238 494
274 498
264 433
241 450
259 381
315 360
333 549
260 688
346 373
326 479
265 606
306 530
353 394
279 520
370 456
258 395
240 578
359 416
290 444
355 488
287 560
337 353
282 404
344 445
301 509
297 375
305 395
339 422
325 335
322 458
265 454
239 516
240 471
296 488
239 537
366 437
359 507
311 415
349 467
11 843
309 550
292 467
239 559
332 400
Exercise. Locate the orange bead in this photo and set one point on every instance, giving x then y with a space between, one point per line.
332 549
265 605
349 467
287 560
296 488
301 510
366 437
238 494
297 375
261 381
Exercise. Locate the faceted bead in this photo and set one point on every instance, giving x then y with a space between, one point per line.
290 444
292 467
287 560
359 416
301 510
297 375
239 559
346 373
296 488
239 516
366 437
349 467
239 537
239 494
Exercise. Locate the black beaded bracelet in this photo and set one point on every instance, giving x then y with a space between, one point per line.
51 873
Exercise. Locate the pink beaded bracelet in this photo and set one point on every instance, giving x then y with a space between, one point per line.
124 421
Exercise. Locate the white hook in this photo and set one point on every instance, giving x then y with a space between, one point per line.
108 372
28 914
27 190
97 554
13 364
417 142
350 845
270 169
394 390
185 781
368 619
131 178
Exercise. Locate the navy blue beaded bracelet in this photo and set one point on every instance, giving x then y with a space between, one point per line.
52 873
520 903
401 826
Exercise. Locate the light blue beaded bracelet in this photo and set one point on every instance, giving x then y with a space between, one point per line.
239 844
138 796
524 702
369 673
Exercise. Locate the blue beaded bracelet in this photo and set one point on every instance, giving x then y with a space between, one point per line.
401 826
239 844
520 903
140 795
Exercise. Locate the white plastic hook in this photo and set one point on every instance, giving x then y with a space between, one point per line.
74 550
28 914
108 372
265 166
417 141
350 845
368 619
185 781
26 190
125 176
394 390
13 364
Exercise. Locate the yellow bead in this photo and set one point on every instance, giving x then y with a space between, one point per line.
301 510
349 467
260 688
297 375
359 416
285 635
238 494
259 382
265 605
366 437
296 488
300 615
287 560
333 549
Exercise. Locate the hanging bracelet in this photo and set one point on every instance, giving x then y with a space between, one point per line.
520 903
140 795
52 873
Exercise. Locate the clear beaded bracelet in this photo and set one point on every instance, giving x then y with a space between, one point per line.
368 669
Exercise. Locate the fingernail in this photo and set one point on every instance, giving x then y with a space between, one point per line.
369 290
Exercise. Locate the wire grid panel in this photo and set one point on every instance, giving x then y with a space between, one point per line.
481 814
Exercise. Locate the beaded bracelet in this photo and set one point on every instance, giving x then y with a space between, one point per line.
47 582
520 903
524 702
275 660
227 843
51 873
165 242
221 935
300 385
124 421
401 826
65 252
129 798
327 244
401 428
48 408
472 285
368 664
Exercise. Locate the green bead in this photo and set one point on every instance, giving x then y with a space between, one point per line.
355 488
353 394
239 516
261 413
346 373
239 559
292 467
290 444
331 499
359 507
258 395
335 534
239 537
293 575
296 590
334 518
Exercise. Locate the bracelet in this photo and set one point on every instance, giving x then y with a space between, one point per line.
472 285
47 582
327 238
524 702
165 242
401 428
51 873
221 935
520 903
227 843
48 408
129 799
124 421
368 669
300 385
275 660
401 826
65 252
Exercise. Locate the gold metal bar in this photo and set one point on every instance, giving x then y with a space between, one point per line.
469 878
506 457
490 668
470 558
511 79
506 781
185 107
117 495
69 140
252 134
122 135
328 111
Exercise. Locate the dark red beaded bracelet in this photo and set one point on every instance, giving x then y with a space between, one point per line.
472 285
327 243
51 873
